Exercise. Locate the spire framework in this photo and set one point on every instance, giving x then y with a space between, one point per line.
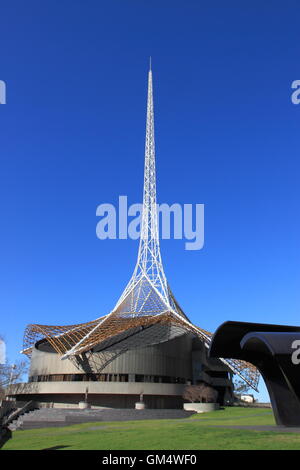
147 311
148 288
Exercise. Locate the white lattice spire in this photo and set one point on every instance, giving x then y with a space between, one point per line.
149 258
148 283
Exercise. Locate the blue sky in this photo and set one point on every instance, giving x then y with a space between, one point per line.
72 137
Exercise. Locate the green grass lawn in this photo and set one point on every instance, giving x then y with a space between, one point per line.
203 431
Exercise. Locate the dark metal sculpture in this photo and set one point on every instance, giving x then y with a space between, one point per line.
5 435
273 349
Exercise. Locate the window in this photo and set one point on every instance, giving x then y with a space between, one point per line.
139 378
107 378
123 377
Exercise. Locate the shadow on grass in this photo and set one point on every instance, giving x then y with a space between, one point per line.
55 448
5 435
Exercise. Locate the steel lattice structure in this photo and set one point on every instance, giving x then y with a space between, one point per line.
147 311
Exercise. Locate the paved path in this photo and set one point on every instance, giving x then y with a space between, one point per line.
258 428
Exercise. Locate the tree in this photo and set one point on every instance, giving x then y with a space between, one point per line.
201 393
11 373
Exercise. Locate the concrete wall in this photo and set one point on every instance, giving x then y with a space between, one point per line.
101 394
172 358
201 360
111 388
